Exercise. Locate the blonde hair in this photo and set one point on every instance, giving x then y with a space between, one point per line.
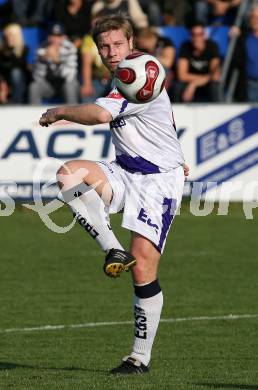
18 42
112 22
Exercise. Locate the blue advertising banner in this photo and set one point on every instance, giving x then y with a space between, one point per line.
223 137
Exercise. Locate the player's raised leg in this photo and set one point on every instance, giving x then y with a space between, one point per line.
148 302
86 189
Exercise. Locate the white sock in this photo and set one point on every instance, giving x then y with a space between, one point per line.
92 214
147 313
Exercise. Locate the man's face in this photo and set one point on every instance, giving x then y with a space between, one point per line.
55 40
113 47
198 37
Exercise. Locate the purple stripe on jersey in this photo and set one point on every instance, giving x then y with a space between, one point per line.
136 164
169 207
123 107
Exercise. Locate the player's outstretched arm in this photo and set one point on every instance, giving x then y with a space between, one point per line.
85 114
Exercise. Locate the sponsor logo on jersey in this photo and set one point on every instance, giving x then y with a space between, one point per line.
117 123
144 218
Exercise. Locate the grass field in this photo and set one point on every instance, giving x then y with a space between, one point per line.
210 268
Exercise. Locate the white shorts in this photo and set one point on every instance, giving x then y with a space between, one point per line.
149 202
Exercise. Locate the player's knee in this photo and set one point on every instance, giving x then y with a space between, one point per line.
141 251
138 274
60 171
141 271
72 173
67 168
63 173
147 261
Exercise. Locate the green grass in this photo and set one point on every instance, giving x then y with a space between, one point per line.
209 268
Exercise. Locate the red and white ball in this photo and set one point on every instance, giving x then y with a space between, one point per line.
140 77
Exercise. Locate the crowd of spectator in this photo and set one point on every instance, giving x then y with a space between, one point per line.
66 64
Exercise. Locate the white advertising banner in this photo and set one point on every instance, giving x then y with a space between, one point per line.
220 143
31 153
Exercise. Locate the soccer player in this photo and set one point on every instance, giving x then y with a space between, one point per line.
145 181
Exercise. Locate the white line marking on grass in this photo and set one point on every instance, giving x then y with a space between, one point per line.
116 323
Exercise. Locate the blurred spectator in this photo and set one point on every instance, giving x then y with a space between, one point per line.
74 15
224 11
152 9
177 12
251 55
202 10
198 68
32 12
169 17
4 90
95 76
130 7
148 40
245 58
55 71
216 11
13 65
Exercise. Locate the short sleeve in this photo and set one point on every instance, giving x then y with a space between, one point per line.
87 44
117 105
184 51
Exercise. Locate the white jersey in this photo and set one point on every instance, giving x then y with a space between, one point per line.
143 134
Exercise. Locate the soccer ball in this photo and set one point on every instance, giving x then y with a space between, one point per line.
140 77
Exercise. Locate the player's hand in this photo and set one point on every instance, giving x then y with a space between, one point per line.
50 116
186 169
